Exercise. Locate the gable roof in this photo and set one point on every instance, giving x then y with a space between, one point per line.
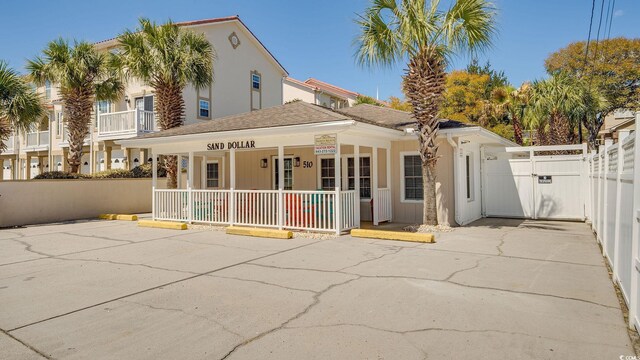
330 88
296 113
384 116
236 18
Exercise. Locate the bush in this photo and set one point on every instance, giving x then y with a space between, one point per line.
60 175
139 172
113 174
144 171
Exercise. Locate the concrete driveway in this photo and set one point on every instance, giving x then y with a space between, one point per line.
497 289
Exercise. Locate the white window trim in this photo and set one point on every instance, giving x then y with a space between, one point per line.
259 82
205 174
344 181
403 199
472 174
273 171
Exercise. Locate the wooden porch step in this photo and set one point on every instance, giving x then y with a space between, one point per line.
393 235
267 233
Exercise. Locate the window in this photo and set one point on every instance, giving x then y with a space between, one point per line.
468 165
203 108
327 174
255 81
60 120
365 176
288 174
412 176
104 107
47 90
213 179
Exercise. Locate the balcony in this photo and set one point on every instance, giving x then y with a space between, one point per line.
37 140
65 137
11 145
125 124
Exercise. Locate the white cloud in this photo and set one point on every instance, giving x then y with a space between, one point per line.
618 13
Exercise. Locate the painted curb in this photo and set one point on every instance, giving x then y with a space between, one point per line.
162 224
266 233
393 235
125 217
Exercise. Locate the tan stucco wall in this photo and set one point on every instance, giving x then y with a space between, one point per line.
292 91
411 212
43 201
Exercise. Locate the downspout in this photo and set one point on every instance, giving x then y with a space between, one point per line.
456 188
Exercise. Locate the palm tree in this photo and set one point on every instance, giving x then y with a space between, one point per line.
557 100
418 31
84 76
167 58
512 103
20 106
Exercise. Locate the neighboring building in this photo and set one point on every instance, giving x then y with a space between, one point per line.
292 166
317 92
620 120
246 77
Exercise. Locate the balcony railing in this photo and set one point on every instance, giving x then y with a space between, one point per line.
37 139
10 144
123 124
65 137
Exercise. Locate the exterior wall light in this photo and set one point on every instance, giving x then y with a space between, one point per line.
264 163
296 161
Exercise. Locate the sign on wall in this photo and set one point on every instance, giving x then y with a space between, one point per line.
244 144
545 179
325 144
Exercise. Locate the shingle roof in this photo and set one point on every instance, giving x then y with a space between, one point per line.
301 113
384 116
296 113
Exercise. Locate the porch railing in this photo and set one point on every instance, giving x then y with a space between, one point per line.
39 138
384 204
301 210
130 122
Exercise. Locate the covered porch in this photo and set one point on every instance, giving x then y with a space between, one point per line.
280 180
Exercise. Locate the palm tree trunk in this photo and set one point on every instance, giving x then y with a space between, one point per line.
78 105
170 109
5 132
517 130
424 83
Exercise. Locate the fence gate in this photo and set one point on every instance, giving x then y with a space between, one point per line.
526 182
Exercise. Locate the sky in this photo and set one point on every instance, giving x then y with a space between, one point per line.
313 38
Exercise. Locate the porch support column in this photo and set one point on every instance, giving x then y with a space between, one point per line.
388 168
107 157
356 180
154 183
280 186
338 203
65 166
27 175
12 163
179 176
232 186
190 188
128 153
2 170
374 184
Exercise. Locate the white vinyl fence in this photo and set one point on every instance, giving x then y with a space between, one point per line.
615 212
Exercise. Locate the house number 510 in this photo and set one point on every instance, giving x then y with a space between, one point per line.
307 164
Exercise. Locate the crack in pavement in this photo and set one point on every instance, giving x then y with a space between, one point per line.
49 256
469 331
157 287
213 321
264 283
25 344
394 251
316 301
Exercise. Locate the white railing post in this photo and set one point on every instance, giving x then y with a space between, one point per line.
232 180
280 187
190 188
338 197
374 185
356 175
605 196
388 168
154 183
136 120
635 237
618 196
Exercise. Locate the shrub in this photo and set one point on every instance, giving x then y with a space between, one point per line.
60 175
113 174
144 171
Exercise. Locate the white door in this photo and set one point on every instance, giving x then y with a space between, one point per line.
538 187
